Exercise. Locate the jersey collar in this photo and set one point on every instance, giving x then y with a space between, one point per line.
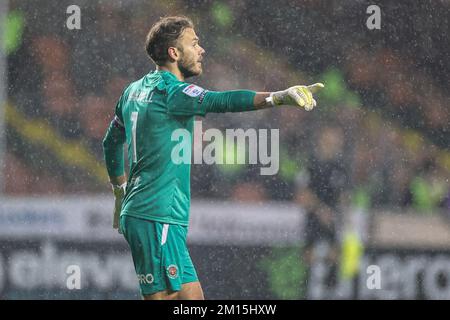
159 79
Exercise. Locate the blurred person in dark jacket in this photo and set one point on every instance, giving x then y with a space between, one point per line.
320 188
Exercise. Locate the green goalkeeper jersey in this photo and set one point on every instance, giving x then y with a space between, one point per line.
146 115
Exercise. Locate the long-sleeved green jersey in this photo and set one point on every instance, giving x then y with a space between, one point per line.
146 115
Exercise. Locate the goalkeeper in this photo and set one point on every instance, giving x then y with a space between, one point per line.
152 203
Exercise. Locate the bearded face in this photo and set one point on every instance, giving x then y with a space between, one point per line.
191 54
189 66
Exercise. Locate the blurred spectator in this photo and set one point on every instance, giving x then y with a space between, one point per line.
319 193
428 189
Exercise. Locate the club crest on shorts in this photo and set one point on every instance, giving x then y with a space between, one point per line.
172 271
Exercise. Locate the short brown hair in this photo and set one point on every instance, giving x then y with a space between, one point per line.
164 34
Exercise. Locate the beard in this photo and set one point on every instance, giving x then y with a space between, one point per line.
187 68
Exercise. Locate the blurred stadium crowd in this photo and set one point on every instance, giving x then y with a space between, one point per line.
378 138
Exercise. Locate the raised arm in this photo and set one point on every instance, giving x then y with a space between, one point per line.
188 99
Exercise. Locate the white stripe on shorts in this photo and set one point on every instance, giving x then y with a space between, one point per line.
165 230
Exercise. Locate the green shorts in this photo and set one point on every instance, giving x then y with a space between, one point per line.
160 255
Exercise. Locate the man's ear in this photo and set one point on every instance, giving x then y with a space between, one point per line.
173 53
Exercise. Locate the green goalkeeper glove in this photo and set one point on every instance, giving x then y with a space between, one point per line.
296 96
119 193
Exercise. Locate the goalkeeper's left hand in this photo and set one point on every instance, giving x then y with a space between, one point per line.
296 96
119 193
